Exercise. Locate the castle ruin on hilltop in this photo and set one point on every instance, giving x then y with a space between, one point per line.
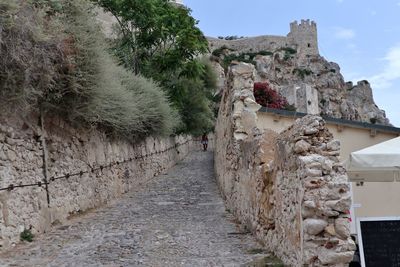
302 37
293 67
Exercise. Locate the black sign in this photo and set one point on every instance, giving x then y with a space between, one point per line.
380 242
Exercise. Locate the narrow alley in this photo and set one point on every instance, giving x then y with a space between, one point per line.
176 219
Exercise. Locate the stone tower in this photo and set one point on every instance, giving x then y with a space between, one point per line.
304 36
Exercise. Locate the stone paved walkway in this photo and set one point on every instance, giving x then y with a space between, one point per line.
176 219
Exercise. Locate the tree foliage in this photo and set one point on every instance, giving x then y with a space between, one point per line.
155 35
193 98
162 42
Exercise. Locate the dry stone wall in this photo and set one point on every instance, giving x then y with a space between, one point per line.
302 36
70 151
289 189
259 43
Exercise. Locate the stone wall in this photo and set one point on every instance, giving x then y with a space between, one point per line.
302 36
302 96
70 151
289 189
259 43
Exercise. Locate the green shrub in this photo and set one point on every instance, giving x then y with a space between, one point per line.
193 97
218 52
195 107
247 57
128 105
243 57
290 107
302 72
228 60
289 50
123 103
209 78
26 235
233 37
264 53
287 56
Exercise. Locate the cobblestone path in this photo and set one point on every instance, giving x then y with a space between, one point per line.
176 219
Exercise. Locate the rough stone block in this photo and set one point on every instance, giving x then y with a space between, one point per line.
301 147
342 227
314 226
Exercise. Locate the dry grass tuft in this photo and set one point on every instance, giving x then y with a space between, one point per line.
54 55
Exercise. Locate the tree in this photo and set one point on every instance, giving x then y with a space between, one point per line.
193 96
154 35
162 42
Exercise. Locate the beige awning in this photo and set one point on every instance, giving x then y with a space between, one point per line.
378 163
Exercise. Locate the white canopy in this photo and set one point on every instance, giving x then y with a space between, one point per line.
378 163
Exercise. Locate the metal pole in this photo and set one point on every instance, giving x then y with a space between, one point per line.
45 156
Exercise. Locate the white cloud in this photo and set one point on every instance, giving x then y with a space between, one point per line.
391 72
344 34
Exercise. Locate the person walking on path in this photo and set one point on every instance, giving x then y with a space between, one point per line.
204 142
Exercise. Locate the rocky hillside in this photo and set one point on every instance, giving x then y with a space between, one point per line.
310 82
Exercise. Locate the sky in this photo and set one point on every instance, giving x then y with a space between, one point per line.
362 36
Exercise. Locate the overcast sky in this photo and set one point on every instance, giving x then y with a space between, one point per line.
362 36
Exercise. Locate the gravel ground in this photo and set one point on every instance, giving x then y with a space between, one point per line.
176 219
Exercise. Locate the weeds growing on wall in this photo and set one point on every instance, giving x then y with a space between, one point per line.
220 51
302 73
30 60
26 235
53 56
288 50
247 57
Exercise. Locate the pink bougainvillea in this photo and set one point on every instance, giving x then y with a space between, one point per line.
267 97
